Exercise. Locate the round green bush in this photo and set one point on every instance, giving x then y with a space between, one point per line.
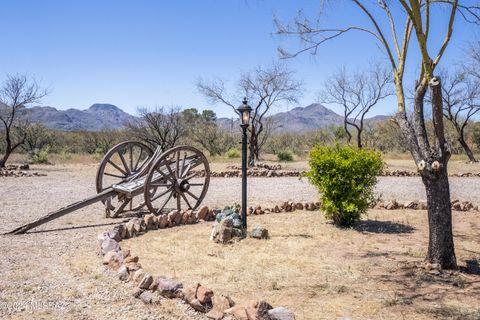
345 178
232 153
284 156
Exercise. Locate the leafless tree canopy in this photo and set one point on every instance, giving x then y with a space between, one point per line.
461 101
264 89
162 127
16 93
357 94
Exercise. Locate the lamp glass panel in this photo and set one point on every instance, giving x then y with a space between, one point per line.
245 117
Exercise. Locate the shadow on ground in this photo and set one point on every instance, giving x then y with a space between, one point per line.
377 226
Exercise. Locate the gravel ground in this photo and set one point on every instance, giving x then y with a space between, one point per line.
54 272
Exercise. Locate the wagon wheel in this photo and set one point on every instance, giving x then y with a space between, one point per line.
118 165
178 178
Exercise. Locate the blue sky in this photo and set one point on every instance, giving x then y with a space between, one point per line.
150 53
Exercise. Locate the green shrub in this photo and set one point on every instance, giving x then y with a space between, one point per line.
284 156
232 153
65 153
345 178
40 156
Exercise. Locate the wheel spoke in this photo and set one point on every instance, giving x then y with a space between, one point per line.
161 194
113 175
171 173
131 158
124 162
177 165
165 203
192 175
138 159
186 171
191 195
166 176
186 200
178 203
196 184
183 164
117 167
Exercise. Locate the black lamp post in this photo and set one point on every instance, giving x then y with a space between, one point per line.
244 112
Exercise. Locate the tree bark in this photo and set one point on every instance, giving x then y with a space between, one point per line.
440 245
359 139
432 160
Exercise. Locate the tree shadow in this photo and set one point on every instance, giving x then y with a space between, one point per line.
378 226
472 267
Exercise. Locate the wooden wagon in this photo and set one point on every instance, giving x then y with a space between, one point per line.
131 177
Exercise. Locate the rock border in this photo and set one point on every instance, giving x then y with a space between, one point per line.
152 289
272 173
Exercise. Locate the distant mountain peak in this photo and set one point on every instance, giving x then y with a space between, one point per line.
104 107
98 117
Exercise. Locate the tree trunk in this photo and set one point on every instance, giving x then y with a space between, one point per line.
467 149
432 163
359 140
3 161
440 245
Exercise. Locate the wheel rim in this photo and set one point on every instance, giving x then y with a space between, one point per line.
178 179
118 165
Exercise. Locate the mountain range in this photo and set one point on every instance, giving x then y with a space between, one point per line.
107 116
304 119
97 117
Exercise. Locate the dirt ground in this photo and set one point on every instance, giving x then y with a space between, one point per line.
54 271
322 272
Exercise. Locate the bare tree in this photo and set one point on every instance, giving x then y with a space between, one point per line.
264 88
160 127
461 101
16 93
430 155
357 94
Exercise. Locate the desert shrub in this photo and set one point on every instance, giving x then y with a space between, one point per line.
65 153
284 156
40 155
232 153
345 178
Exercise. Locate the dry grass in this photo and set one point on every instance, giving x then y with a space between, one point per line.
322 272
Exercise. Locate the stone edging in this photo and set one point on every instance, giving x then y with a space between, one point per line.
152 289
255 172
456 204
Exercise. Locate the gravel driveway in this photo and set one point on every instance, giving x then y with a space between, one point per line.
57 274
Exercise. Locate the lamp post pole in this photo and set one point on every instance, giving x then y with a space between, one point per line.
244 112
244 175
